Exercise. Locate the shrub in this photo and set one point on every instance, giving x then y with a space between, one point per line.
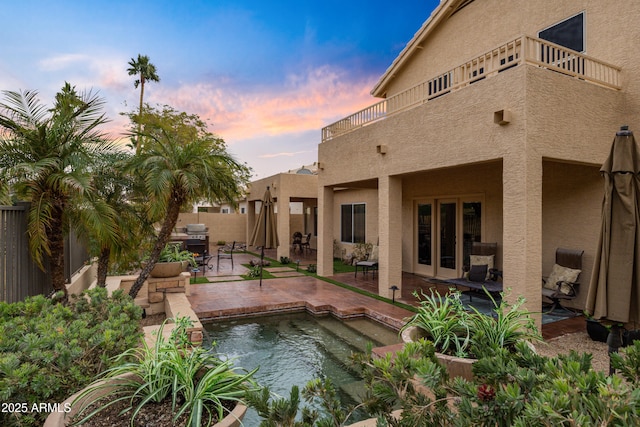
455 331
512 389
48 351
254 272
312 268
285 260
172 252
195 380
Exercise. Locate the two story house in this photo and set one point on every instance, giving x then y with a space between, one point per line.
492 126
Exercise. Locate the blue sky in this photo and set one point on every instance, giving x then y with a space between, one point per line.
266 75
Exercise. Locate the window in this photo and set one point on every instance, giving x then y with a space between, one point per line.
352 221
568 33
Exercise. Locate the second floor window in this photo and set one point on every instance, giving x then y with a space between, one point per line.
352 223
568 33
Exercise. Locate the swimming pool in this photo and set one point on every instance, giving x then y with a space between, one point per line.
292 349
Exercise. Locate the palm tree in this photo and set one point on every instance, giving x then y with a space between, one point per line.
180 164
146 72
44 159
116 187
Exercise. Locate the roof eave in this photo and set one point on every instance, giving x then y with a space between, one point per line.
443 10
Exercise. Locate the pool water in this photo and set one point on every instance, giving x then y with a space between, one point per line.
292 349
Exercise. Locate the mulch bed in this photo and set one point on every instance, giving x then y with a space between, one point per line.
152 319
151 415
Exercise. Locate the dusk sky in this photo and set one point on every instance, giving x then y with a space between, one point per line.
265 75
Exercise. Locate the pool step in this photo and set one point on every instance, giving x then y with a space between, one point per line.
378 334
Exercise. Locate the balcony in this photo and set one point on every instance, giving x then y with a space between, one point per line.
524 49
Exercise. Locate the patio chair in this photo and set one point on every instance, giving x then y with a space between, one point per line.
369 264
562 282
297 242
306 245
225 253
481 273
200 252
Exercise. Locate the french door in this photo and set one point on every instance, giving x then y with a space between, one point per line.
444 232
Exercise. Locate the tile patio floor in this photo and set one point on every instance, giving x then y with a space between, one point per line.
229 295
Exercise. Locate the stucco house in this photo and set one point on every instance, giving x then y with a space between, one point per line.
492 126
295 194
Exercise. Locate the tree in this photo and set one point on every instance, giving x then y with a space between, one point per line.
45 156
145 71
116 187
181 163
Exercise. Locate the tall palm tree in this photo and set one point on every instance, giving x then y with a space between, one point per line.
181 163
145 71
44 159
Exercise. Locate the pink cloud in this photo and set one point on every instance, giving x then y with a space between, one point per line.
303 102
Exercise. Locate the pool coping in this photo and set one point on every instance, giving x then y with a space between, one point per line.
244 299
301 307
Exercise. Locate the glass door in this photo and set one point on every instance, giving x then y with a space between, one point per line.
424 238
471 228
445 230
447 239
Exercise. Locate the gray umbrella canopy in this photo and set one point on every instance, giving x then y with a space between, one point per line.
265 232
614 290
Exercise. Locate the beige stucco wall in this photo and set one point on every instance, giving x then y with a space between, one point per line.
611 32
368 196
284 188
482 181
546 157
226 227
553 116
571 209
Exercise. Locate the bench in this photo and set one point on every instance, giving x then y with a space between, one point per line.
493 286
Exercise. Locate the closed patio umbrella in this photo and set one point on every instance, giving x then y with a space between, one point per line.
265 231
614 289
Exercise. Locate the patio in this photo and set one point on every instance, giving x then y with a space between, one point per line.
230 295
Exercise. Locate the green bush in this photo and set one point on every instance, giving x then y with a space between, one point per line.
511 389
48 351
285 260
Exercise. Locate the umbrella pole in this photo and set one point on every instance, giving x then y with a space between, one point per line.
614 341
261 263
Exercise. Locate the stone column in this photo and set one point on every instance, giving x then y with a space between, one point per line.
283 215
325 231
390 234
522 225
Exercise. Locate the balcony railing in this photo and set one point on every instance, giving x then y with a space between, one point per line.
525 49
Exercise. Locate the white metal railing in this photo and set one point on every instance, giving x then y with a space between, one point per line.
526 49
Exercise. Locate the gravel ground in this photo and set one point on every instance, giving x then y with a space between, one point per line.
581 343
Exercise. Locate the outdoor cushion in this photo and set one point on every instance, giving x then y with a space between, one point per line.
482 260
373 256
478 273
562 274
